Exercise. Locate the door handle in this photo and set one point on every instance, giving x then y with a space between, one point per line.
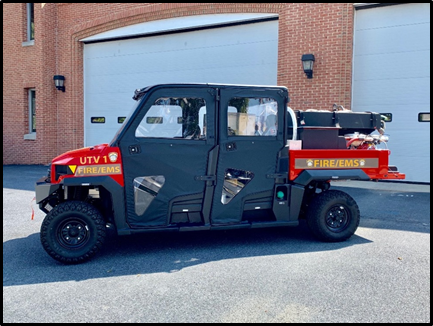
134 149
230 146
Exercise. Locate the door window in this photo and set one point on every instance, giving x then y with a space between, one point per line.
174 117
145 190
234 181
248 116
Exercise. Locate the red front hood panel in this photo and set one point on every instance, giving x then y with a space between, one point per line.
90 161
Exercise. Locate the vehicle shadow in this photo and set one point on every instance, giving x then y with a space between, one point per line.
25 261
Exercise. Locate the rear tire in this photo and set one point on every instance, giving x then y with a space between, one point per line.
333 216
73 232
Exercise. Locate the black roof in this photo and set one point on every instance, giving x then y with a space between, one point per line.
138 93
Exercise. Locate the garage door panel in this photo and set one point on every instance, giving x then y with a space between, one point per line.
225 38
391 92
388 40
393 65
118 87
410 147
111 111
243 75
95 131
411 160
197 59
417 169
195 40
409 127
397 15
112 100
404 119
183 55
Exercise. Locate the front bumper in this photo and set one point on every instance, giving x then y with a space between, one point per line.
44 189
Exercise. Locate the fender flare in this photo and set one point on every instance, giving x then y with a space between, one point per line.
44 190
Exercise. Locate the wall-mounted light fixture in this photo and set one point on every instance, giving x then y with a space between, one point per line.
59 81
307 64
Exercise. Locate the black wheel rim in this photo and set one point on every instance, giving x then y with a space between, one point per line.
337 218
73 233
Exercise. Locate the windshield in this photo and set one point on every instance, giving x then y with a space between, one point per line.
125 122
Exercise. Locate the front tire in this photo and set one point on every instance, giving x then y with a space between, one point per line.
73 232
333 216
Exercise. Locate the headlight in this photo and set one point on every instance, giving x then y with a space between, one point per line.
62 170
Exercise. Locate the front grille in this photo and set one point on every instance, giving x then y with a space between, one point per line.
61 170
48 179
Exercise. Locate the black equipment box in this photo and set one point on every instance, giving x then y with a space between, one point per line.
347 121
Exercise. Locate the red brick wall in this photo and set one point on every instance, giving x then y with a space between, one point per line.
324 29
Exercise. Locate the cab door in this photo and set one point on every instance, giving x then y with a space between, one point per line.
250 137
165 151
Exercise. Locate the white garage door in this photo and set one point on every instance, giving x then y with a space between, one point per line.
392 75
243 53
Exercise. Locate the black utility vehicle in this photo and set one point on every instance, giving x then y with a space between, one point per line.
194 157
